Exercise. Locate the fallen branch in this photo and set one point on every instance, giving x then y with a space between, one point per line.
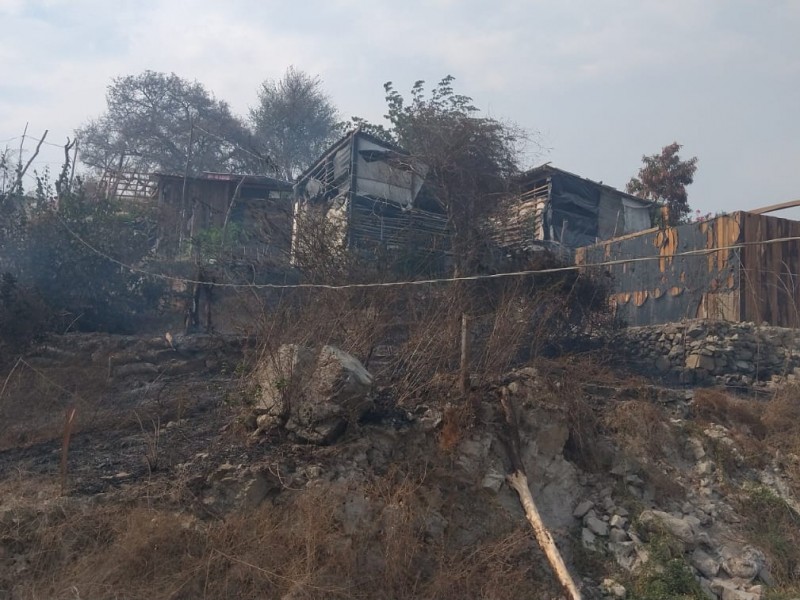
518 481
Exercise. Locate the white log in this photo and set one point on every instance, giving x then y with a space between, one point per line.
519 482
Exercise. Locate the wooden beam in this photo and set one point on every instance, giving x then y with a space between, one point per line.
773 207
518 481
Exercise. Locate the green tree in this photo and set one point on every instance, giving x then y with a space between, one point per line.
470 159
664 178
294 121
160 122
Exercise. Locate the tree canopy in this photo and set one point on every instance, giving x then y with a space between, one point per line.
664 178
160 122
294 121
471 159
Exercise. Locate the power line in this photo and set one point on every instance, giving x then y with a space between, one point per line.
416 282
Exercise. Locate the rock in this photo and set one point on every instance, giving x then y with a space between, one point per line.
582 508
663 364
232 488
595 525
765 576
588 539
612 589
746 564
618 535
700 361
618 521
727 589
137 368
656 521
493 481
313 395
704 563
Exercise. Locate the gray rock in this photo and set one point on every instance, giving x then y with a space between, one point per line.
613 589
618 521
656 521
595 525
746 564
663 364
582 508
618 535
312 394
727 589
704 563
493 481
588 539
700 361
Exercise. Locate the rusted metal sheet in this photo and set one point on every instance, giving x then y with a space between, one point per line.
727 268
675 276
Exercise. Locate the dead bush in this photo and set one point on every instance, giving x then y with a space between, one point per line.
300 547
716 406
641 429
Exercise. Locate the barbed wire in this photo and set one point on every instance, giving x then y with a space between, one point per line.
418 282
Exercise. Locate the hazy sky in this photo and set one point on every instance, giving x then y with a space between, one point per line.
602 82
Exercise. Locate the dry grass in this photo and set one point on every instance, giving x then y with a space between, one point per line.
35 399
298 548
716 406
641 428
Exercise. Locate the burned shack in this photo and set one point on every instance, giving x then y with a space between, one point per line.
368 196
553 206
258 207
730 267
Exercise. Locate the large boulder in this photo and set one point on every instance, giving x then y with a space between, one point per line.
313 394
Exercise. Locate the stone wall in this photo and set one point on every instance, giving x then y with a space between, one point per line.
715 352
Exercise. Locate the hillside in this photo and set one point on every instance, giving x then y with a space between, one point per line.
174 488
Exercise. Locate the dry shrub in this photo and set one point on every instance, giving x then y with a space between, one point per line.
719 407
296 548
454 422
409 337
774 527
641 428
34 400
781 417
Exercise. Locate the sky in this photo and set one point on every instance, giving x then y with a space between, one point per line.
597 83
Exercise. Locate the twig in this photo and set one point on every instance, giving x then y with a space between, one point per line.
22 172
8 377
68 422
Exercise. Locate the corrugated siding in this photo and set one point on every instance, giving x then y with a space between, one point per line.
771 272
668 287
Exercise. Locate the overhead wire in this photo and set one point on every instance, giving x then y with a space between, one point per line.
418 282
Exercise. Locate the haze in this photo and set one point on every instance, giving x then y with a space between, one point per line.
601 82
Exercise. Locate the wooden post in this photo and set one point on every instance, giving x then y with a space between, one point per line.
465 351
518 481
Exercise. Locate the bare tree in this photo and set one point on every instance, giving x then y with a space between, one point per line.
156 121
294 121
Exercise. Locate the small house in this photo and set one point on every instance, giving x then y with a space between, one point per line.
256 206
553 206
368 195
